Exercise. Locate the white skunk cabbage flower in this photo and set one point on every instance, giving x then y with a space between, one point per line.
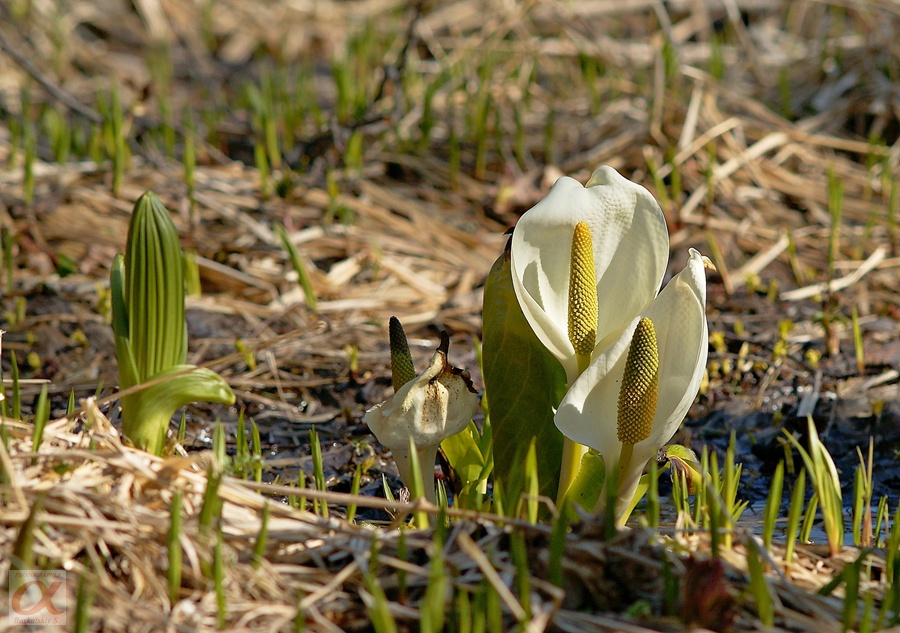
628 244
428 408
649 374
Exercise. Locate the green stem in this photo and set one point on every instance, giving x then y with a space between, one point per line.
572 451
571 460
426 457
615 477
624 461
584 361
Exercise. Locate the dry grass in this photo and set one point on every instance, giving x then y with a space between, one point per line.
740 163
104 515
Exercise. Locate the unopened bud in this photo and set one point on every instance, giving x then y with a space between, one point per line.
402 369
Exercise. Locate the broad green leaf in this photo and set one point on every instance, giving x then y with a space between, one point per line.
146 414
524 383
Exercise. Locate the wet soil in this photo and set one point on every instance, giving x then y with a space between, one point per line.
757 400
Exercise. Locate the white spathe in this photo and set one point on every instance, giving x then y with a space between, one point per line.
631 250
587 413
438 403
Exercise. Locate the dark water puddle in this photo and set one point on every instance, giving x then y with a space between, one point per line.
760 444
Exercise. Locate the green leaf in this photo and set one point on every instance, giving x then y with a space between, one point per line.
524 384
128 376
146 414
465 456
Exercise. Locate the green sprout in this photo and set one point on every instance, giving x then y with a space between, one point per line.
826 483
259 547
315 448
759 586
147 288
862 499
773 505
173 542
299 265
84 600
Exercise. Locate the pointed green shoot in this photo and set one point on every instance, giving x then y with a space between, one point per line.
809 518
41 417
23 549
653 494
154 289
70 403
299 265
354 490
433 608
556 551
376 602
532 485
256 451
147 289
16 386
84 600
